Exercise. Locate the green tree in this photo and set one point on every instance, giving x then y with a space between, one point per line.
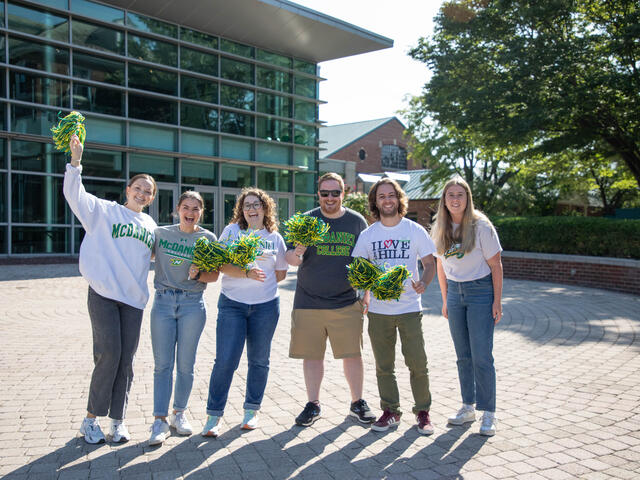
357 201
550 76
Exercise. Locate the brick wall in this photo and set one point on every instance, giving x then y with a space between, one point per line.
388 134
616 274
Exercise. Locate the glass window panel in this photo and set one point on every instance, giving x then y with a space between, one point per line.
198 117
274 58
273 129
305 67
237 97
165 206
305 111
198 61
36 89
304 203
3 198
199 144
305 158
38 157
274 79
199 89
2 109
208 215
40 240
235 70
78 234
103 163
61 4
236 48
97 11
97 36
150 50
238 123
112 191
38 199
152 25
306 87
153 79
3 156
104 131
153 109
274 180
270 153
98 69
199 172
3 240
235 176
38 56
32 120
38 22
90 98
304 135
199 38
283 210
3 50
152 137
238 149
274 104
305 182
162 169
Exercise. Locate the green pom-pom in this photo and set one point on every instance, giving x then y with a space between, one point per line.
362 274
209 256
305 230
390 284
68 126
245 250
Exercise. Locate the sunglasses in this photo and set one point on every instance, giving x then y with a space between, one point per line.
333 193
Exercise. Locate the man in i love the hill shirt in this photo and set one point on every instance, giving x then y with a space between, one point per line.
395 240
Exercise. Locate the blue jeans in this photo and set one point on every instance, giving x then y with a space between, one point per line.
237 323
177 320
471 324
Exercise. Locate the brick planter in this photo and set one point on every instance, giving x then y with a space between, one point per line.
619 274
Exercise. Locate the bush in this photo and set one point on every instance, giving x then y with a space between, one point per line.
593 236
359 202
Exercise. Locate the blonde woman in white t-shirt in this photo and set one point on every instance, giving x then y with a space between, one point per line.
470 278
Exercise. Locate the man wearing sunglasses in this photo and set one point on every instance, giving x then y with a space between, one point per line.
325 305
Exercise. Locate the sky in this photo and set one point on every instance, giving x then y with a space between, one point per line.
374 85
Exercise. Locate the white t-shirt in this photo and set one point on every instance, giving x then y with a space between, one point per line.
404 244
247 290
115 254
464 267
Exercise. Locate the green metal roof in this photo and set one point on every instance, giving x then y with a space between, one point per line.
414 187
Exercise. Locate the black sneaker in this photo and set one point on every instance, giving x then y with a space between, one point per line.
309 415
362 412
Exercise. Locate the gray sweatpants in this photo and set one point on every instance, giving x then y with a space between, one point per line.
116 331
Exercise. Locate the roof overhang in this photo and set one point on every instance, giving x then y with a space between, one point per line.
276 25
369 179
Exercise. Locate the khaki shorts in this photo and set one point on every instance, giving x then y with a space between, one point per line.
311 327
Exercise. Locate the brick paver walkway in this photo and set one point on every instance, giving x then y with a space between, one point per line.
568 362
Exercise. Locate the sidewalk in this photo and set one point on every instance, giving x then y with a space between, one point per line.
567 358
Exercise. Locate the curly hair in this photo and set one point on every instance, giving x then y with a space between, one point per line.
268 207
403 201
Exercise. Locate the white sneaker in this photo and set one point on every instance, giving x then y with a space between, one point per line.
119 432
466 414
250 420
180 422
159 432
488 425
211 427
91 431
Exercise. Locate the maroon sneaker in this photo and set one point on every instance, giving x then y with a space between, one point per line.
424 423
387 420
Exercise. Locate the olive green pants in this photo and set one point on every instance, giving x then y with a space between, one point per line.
383 331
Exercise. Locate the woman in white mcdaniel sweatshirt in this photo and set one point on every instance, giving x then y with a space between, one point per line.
114 259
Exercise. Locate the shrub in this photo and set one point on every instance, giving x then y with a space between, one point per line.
359 202
593 236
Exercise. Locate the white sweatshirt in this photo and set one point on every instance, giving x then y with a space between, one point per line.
116 250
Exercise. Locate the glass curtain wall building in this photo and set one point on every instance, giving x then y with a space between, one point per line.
192 108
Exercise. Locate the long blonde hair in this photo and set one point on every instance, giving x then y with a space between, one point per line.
442 228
